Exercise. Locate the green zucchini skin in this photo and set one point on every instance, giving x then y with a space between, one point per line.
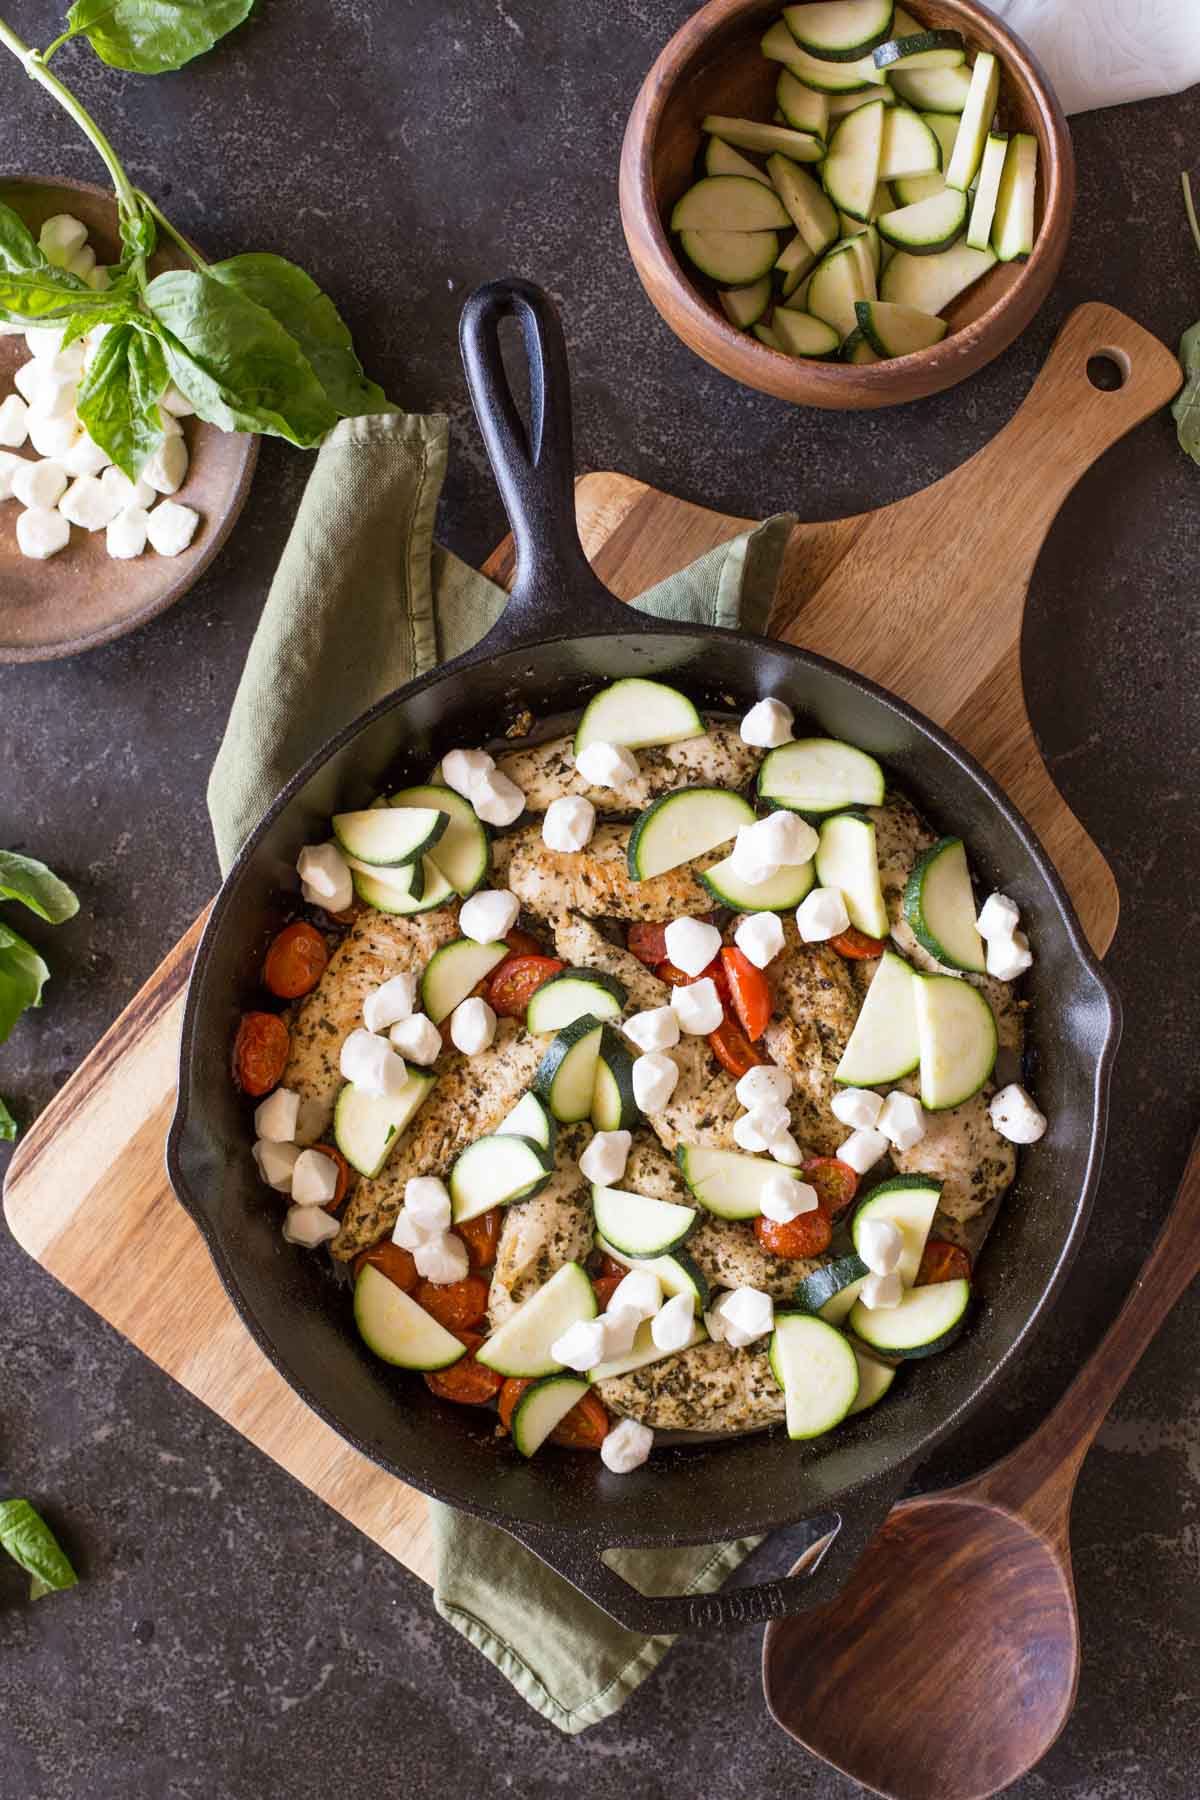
818 1289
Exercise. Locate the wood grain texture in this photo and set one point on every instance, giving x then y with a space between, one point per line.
714 64
87 1193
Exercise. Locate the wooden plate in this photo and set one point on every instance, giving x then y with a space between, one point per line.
83 596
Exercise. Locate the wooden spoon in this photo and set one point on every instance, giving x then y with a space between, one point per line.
948 1664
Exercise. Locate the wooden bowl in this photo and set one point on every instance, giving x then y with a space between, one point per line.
83 596
714 65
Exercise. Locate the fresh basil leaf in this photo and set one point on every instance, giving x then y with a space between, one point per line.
139 232
152 36
293 299
236 364
1186 408
18 247
46 293
37 887
8 1125
31 1543
23 975
118 396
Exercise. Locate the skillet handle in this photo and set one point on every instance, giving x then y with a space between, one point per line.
555 588
818 1578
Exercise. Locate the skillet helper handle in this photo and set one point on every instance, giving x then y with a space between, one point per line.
818 1577
555 587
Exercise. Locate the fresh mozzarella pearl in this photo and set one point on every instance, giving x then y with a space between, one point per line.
83 262
857 1107
309 1226
417 1038
784 1198
786 837
569 823
620 1329
389 1003
655 1029
60 238
605 1158
276 1162
314 1178
745 1314
902 1121
99 279
311 1124
44 342
442 1260
323 868
673 1323
462 769
880 1293
472 1026
691 944
85 457
171 527
497 800
276 1117
427 1203
607 765
758 1085
14 422
1008 957
53 437
654 1078
759 937
581 1345
785 1150
116 483
87 504
40 484
998 917
822 915
50 391
747 1136
372 1065
176 403
1015 1116
862 1149
748 858
9 465
626 1447
488 916
638 1292
167 466
768 724
762 1125
879 1244
409 1235
126 537
42 532
698 1007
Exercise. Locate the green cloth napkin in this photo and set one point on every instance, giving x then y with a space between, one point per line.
363 594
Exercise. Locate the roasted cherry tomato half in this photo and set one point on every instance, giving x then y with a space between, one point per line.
647 942
468 1382
715 972
481 1235
510 1393
733 1049
836 1182
749 991
390 1260
604 1287
523 943
608 1265
856 946
941 1261
585 1427
260 1052
335 1156
458 1305
806 1235
515 982
295 961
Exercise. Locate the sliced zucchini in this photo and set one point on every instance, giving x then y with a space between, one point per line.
956 1030
530 1118
1012 230
850 172
838 1307
939 904
864 247
819 775
898 330
840 30
987 189
573 994
795 259
463 852
645 1351
927 227
846 859
908 1202
522 1344
841 104
727 1183
734 258
637 713
785 889
856 349
421 892
728 203
386 838
455 971
721 158
910 147
933 90
745 306
614 1107
810 208
838 282
874 1380
928 1319
397 1329
819 72
678 1273
800 107
977 117
640 1227
367 1128
817 1370
408 881
566 1075
495 1171
911 188
814 1293
921 50
766 140
930 283
766 336
802 335
795 293
683 825
544 1406
884 1045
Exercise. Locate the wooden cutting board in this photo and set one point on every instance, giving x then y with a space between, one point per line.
925 596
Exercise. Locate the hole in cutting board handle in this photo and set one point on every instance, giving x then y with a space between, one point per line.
1108 370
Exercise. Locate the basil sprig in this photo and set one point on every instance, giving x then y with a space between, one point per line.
1186 409
23 972
27 1538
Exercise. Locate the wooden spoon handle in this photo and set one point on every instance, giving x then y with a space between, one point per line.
1037 1478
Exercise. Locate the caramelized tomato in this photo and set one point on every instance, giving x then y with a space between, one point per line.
941 1261
715 972
585 1427
510 1393
647 942
733 1049
335 1156
467 1382
748 991
523 943
295 961
836 1182
806 1235
604 1287
608 1265
458 1305
515 982
390 1260
481 1236
260 1052
856 946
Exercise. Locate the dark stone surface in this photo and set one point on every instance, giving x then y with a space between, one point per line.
233 1638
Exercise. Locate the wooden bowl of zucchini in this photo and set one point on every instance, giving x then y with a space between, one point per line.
847 203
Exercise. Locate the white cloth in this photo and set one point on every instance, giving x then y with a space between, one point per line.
1105 52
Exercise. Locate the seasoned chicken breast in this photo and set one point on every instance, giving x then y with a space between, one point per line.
545 772
596 881
704 1105
707 1388
962 1148
582 946
539 1235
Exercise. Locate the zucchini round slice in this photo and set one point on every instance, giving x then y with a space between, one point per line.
898 330
638 1226
921 50
802 335
874 1380
812 212
817 1370
544 1406
728 203
928 1319
956 1030
819 775
573 994
566 1075
682 826
522 1344
721 158
645 1351
677 1273
387 838
785 890
529 1118
928 227
910 147
840 30
931 282
495 1171
727 1182
453 971
397 1329
766 336
745 306
908 1202
367 1127
846 859
819 72
734 258
801 108
884 1045
850 172
815 1292
939 904
932 90
637 713
463 852
767 140
614 1107
857 350
399 896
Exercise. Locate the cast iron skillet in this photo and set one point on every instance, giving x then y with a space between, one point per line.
561 636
